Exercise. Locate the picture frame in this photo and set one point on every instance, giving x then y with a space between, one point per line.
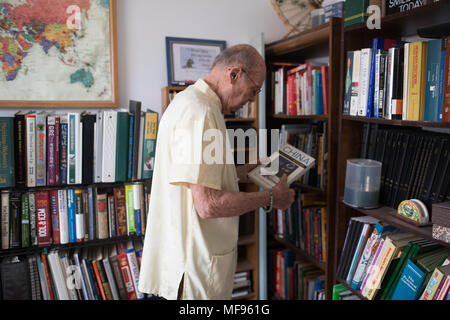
190 59
77 68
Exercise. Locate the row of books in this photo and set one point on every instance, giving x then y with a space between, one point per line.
300 89
340 292
242 284
109 272
382 262
47 149
303 227
399 80
60 216
415 163
292 278
312 139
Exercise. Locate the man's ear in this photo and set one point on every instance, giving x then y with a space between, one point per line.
234 73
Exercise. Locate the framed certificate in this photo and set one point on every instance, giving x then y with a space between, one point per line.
190 59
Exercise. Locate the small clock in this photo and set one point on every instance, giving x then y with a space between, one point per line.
296 14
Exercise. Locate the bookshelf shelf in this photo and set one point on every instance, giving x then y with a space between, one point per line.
301 253
402 123
240 119
244 264
291 117
89 243
246 240
307 188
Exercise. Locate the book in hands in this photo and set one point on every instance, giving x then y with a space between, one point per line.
291 161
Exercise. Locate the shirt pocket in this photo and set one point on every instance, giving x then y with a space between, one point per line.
221 275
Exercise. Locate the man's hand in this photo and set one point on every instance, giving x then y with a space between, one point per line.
243 170
283 197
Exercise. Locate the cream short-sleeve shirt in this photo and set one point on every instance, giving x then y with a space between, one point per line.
177 241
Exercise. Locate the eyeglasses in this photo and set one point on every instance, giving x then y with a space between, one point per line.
256 91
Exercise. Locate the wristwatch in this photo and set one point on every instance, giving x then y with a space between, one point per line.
269 209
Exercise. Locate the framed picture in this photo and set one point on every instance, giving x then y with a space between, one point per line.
190 59
62 55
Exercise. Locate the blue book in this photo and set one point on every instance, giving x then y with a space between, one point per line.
71 215
410 282
432 84
441 83
289 258
378 43
63 136
319 92
92 280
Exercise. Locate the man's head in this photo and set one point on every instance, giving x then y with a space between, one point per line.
236 76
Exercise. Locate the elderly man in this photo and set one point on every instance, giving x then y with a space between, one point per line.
190 247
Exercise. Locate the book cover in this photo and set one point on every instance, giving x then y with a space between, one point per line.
73 119
433 283
7 162
122 142
355 12
63 216
53 194
30 145
88 121
149 147
134 268
135 109
364 76
52 150
325 88
44 227
446 87
25 219
33 221
79 215
102 215
354 99
288 160
121 210
129 199
348 82
409 283
109 146
416 80
126 271
63 146
98 147
402 6
19 148
41 148
71 218
433 83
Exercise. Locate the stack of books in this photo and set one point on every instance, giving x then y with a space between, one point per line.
300 89
68 215
109 272
47 149
382 262
399 80
242 284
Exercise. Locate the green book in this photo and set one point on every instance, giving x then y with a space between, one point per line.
122 144
15 220
129 198
25 221
355 12
337 289
32 214
7 171
149 147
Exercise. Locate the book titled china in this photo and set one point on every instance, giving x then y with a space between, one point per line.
288 160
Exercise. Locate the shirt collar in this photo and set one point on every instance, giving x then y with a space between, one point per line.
206 89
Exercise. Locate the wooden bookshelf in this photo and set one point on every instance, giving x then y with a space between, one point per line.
320 41
395 26
167 94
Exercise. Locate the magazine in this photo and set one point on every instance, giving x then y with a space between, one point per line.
288 160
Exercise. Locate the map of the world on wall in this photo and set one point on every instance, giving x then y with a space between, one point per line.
56 50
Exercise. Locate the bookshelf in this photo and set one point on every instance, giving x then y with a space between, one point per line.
248 259
87 221
397 26
321 41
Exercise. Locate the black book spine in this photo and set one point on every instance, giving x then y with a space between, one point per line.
365 140
88 121
415 164
399 169
419 191
19 149
420 167
394 159
15 220
344 251
353 243
372 140
443 166
135 109
431 172
404 180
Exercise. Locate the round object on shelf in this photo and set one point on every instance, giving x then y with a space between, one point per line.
296 14
414 210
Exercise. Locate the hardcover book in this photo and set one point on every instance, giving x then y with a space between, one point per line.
288 160
7 171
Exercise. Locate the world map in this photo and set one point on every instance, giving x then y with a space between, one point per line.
55 50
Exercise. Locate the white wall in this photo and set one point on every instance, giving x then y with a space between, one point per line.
142 26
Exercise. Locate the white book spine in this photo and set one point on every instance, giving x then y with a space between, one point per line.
109 146
110 276
366 60
390 80
98 147
63 218
358 249
31 149
134 268
73 134
79 152
141 145
58 277
354 100
405 81
376 85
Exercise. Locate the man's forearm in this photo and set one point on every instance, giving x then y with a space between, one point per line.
211 203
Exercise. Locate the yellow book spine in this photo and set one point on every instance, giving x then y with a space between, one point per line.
416 80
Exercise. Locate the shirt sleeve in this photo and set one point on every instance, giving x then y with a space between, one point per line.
189 150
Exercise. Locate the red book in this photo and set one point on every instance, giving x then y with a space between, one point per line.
55 216
446 103
52 150
98 279
47 274
291 99
44 226
126 271
325 88
121 211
